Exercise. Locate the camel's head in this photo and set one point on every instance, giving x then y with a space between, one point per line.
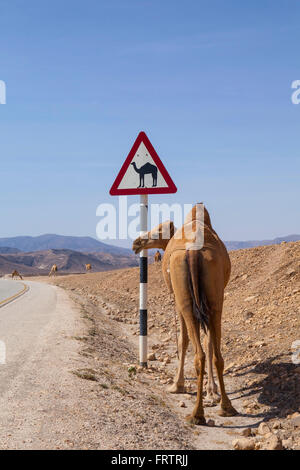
158 237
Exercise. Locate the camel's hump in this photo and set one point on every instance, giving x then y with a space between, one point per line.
148 166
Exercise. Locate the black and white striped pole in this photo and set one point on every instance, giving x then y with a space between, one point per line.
143 281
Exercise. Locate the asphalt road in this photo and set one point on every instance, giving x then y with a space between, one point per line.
21 323
9 288
38 391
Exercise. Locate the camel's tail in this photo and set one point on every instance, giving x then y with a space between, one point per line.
200 304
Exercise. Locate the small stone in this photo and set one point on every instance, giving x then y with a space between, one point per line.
151 357
260 344
273 443
182 404
247 432
251 297
295 421
276 425
244 443
211 423
291 272
287 443
263 428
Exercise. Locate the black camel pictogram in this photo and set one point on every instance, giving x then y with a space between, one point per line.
146 170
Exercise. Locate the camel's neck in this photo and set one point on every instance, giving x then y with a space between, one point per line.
165 244
135 167
161 244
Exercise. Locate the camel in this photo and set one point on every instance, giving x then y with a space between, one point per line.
53 270
146 170
16 274
157 257
197 277
88 267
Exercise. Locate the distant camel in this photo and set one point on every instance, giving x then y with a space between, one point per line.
146 169
53 270
16 274
88 267
157 257
197 276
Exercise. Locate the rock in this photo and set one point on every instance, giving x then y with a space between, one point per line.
211 423
229 366
247 432
182 404
260 344
248 314
295 421
151 357
244 443
273 443
287 443
263 428
276 425
291 272
251 297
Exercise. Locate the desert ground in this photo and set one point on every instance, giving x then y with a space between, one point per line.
93 394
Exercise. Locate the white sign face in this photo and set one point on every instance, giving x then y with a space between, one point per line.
143 172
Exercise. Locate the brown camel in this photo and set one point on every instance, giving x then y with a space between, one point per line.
16 274
160 237
53 270
88 267
157 257
197 276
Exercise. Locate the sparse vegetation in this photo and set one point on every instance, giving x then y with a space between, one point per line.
86 374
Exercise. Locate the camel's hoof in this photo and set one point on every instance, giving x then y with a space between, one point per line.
175 388
212 399
209 402
198 420
229 411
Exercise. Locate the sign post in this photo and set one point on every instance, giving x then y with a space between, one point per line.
143 282
143 173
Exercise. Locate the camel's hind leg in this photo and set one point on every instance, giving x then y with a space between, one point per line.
215 329
197 416
212 396
178 385
184 304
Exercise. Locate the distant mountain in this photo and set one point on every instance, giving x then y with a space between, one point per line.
61 242
235 245
68 261
7 249
91 245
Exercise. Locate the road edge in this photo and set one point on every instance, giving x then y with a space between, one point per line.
15 296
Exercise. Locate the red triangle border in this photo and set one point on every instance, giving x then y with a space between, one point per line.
171 188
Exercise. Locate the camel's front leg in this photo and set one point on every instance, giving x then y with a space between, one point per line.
212 396
178 385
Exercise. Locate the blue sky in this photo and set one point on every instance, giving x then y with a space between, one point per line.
209 82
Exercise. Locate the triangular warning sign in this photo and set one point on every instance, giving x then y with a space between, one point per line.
142 172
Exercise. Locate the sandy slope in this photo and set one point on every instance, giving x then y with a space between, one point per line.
260 323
